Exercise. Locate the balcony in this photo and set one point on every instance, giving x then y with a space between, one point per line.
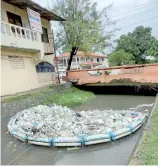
62 65
14 36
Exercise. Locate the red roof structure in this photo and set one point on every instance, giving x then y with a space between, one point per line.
83 54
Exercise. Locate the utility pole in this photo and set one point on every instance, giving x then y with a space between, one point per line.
55 57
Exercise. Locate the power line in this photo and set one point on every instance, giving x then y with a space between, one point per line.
131 16
140 22
133 8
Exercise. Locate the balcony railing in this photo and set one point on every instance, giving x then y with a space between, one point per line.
19 32
73 64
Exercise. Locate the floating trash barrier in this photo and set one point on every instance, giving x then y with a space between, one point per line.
96 139
61 126
67 141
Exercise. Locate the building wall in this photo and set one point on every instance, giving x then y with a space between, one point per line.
49 58
18 77
14 80
48 47
13 9
45 78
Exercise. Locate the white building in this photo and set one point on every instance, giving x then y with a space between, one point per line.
80 61
26 54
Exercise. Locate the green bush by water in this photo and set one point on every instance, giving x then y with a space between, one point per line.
70 98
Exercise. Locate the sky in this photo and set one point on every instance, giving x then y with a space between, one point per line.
128 13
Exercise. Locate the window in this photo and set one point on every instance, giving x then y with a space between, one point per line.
97 59
102 59
44 67
73 59
16 62
78 59
14 19
44 35
91 59
82 58
61 61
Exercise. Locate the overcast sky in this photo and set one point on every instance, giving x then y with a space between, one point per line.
129 13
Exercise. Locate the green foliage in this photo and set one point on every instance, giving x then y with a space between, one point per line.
119 58
70 98
137 43
149 147
85 27
153 50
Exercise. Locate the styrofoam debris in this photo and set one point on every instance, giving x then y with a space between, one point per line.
57 121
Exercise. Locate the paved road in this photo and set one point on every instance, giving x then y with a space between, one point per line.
113 153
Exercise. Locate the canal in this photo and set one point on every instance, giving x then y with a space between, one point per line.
112 153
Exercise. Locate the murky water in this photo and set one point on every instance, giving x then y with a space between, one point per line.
116 102
117 152
112 153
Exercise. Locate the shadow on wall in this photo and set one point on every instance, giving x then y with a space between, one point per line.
133 90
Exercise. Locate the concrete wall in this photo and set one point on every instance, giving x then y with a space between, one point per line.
49 58
14 80
138 74
18 77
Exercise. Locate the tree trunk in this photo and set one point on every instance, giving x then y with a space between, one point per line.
73 52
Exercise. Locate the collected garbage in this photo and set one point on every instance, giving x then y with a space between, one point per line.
57 121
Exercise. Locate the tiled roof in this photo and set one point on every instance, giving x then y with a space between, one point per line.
81 53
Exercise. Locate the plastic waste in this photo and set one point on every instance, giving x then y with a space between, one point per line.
65 126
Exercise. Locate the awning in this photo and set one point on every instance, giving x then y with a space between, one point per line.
46 14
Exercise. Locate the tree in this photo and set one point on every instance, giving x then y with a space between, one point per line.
153 50
119 58
85 28
137 43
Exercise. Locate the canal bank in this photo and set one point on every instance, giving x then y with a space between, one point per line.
145 153
117 152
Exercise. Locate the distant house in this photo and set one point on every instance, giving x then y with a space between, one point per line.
80 61
27 50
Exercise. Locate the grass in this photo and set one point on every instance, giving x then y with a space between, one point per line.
28 95
70 97
148 150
